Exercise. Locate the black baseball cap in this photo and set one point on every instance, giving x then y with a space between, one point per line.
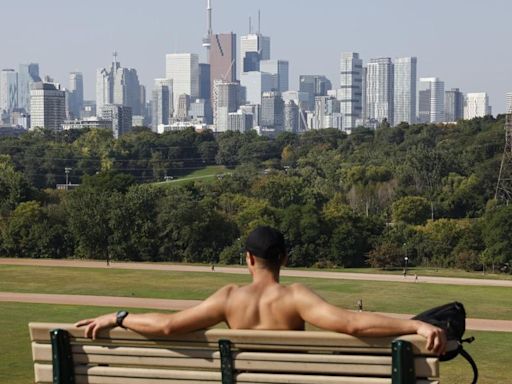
266 242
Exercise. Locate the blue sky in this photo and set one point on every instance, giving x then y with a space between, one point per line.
465 43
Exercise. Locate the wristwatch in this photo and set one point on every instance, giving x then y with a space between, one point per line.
120 316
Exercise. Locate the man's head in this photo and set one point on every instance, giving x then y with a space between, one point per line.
267 244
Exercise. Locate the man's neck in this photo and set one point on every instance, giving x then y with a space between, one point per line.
264 276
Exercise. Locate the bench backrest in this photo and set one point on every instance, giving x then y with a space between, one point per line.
220 355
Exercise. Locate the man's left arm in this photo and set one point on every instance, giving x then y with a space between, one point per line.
208 313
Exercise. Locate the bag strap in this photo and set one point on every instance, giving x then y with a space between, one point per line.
471 362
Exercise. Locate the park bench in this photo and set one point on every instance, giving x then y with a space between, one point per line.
63 356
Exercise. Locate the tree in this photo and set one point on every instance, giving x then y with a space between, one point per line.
13 187
497 230
411 210
89 214
386 255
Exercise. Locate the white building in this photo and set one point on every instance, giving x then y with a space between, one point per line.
279 70
183 69
8 90
350 93
255 84
476 105
76 94
405 79
432 89
48 106
508 102
162 103
379 90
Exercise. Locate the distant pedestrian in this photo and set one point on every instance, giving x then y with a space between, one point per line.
415 277
213 267
405 273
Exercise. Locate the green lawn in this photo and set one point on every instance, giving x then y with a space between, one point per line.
480 302
205 174
491 350
420 271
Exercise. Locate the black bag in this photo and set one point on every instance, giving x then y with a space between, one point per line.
452 318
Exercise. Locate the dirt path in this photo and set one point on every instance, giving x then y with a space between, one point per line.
235 270
163 304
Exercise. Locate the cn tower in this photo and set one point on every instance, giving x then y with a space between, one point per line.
207 40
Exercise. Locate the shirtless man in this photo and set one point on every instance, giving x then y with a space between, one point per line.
266 304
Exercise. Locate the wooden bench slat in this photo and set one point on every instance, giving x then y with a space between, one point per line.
239 338
243 339
247 361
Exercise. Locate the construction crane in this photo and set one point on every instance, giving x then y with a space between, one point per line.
504 185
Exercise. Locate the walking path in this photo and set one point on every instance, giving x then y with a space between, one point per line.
234 270
163 304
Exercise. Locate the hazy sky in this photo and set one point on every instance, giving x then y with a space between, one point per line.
464 42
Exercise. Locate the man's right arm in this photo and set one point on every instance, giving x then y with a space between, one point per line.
316 311
208 313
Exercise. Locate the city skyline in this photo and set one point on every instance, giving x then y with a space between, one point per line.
447 52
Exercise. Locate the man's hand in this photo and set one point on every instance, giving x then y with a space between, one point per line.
436 337
93 326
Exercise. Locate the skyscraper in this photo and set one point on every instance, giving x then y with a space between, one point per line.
254 47
76 94
314 85
118 85
226 100
291 116
28 74
380 89
183 69
161 103
127 89
350 93
279 71
205 89
183 107
477 105
435 88
223 57
8 90
120 116
405 79
255 84
47 105
453 105
240 121
272 111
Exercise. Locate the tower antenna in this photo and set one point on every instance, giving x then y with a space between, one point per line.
259 21
250 25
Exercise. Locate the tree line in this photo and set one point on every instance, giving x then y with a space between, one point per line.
425 192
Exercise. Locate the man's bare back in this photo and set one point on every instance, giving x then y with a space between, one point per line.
260 306
266 304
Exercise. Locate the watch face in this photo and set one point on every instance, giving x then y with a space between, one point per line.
120 317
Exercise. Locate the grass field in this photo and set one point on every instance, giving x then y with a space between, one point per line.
420 271
480 302
491 350
205 174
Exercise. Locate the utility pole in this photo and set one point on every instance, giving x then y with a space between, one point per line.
66 171
504 186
